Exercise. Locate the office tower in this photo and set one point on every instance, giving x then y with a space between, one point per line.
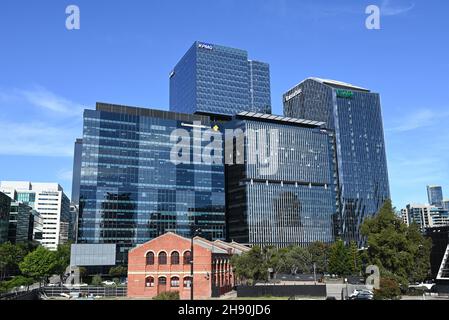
213 79
131 191
354 114
25 223
404 216
73 227
287 195
76 171
446 204
435 195
5 203
427 216
49 200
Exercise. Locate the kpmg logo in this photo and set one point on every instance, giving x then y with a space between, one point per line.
262 146
293 94
205 46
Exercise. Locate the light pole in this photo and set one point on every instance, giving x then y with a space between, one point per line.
194 234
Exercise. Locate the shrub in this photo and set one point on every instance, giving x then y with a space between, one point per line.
96 280
169 295
389 290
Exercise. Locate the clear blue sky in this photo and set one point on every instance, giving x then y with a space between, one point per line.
126 49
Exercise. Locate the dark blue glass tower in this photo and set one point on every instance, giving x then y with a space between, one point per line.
354 114
130 189
213 79
295 202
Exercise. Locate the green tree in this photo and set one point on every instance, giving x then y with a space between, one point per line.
118 271
389 289
39 264
298 260
62 260
250 266
400 252
10 257
319 254
339 259
356 260
83 273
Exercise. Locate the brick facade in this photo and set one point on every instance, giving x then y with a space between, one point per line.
163 264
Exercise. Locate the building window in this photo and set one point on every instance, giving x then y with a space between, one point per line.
174 282
162 258
187 283
150 258
187 257
174 258
149 282
162 281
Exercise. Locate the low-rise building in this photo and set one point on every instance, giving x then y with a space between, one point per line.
426 216
164 264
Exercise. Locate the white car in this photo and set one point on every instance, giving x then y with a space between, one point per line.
108 283
80 285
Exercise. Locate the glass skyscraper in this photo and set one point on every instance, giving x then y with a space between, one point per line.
213 79
296 202
130 189
435 196
5 203
354 114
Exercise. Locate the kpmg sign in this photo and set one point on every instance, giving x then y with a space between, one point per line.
345 94
205 46
293 94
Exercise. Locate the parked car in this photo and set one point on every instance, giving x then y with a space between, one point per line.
80 285
108 283
361 294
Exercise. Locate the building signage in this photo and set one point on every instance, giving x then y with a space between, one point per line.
205 46
292 95
345 94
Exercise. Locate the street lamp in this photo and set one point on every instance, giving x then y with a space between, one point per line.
194 234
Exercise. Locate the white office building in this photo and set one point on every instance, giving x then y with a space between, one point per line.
50 201
425 215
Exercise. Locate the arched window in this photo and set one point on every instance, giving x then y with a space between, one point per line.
150 258
174 282
162 258
162 281
187 257
149 282
174 257
187 283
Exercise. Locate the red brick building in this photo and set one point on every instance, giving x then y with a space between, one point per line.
163 264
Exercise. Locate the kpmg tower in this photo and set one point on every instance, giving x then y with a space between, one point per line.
354 114
213 79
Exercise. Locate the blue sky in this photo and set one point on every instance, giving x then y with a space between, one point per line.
124 52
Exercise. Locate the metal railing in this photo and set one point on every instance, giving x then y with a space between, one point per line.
107 291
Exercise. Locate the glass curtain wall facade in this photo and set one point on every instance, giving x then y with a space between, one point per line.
296 204
5 203
354 114
435 196
213 79
23 223
131 192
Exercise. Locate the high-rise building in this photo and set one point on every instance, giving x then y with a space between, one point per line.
5 204
435 195
213 79
287 194
76 171
427 216
132 191
25 224
354 114
49 200
446 204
